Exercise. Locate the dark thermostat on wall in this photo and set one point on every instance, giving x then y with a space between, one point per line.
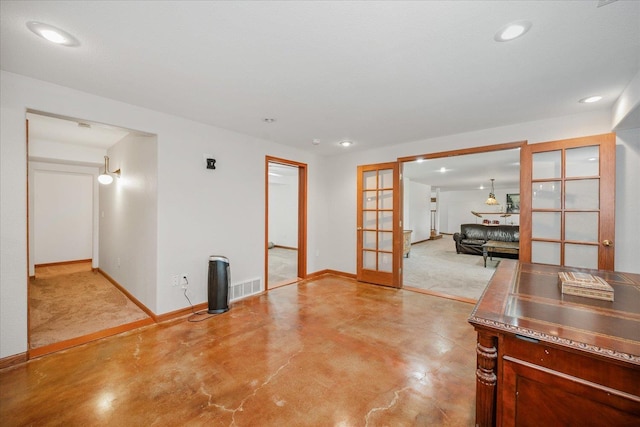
211 163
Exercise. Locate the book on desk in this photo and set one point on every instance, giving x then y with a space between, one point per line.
585 285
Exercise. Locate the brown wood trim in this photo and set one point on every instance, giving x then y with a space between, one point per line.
53 264
460 152
15 359
302 215
28 235
73 342
440 295
421 241
285 247
332 272
128 295
180 313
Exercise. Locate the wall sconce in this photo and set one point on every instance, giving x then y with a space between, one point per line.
106 178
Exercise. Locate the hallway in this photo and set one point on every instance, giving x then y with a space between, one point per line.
327 351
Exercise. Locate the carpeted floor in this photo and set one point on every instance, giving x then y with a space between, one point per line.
70 301
434 265
283 265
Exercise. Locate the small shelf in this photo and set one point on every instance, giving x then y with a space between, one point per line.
502 214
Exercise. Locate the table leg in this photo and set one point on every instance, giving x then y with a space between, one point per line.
484 255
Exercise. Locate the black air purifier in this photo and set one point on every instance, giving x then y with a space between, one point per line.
219 282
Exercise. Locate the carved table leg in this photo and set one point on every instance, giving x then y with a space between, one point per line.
486 380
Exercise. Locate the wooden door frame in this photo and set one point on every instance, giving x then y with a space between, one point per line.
606 231
473 150
302 216
393 279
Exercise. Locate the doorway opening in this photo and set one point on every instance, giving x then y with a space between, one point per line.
285 223
75 294
442 191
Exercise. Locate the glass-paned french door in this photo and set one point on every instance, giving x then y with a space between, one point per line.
379 225
568 198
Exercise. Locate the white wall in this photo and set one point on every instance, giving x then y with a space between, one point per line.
417 209
129 218
627 200
456 207
91 173
63 216
283 211
200 212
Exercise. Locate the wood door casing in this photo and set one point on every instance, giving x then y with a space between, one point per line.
606 197
378 223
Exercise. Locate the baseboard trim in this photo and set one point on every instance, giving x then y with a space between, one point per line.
440 295
285 247
420 241
128 294
180 313
53 264
73 342
329 271
16 359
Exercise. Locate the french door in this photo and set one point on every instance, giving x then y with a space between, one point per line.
379 224
568 202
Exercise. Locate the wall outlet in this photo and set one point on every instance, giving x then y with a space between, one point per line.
184 280
175 280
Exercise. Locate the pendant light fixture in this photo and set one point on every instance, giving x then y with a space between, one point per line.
105 178
492 196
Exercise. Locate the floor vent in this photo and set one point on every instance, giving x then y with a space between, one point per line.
244 289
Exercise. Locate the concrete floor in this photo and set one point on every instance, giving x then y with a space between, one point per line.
328 351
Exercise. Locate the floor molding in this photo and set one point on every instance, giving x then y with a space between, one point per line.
16 359
133 299
440 294
73 342
329 271
55 264
172 315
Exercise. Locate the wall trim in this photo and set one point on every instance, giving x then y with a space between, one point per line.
12 360
73 342
329 271
53 264
128 294
180 313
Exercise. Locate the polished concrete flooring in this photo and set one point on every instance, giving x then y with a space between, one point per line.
325 352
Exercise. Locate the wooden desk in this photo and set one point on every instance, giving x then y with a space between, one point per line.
496 246
544 358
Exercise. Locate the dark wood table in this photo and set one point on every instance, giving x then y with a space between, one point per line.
496 246
545 358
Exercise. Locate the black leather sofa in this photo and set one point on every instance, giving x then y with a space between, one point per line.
472 236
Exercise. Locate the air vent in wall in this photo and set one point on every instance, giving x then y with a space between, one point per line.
244 289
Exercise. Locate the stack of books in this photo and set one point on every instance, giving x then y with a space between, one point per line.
585 285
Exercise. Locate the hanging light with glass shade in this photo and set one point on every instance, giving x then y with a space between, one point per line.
492 201
106 178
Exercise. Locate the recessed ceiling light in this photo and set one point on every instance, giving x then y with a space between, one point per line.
443 169
512 31
53 34
590 99
346 143
269 120
315 142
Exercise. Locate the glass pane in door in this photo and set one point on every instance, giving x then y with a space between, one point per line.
581 256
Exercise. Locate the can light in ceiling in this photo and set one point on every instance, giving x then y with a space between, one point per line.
512 31
53 34
346 143
590 99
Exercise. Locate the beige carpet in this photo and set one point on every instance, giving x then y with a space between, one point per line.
283 265
434 265
70 301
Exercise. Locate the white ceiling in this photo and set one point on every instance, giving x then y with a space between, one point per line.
57 129
379 73
470 171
